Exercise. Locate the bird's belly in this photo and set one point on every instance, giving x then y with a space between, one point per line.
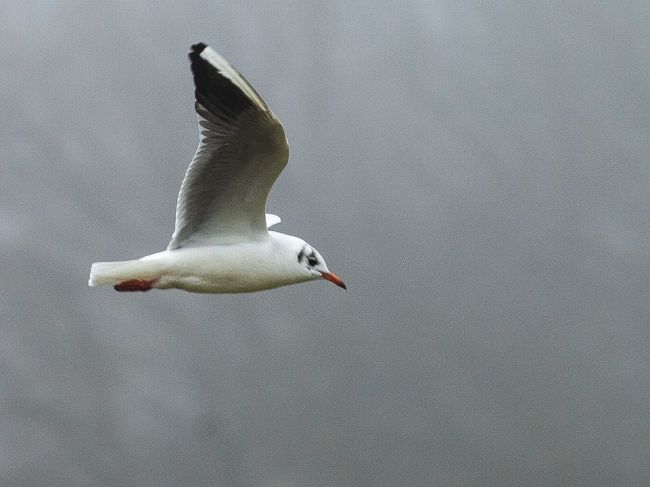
219 283
221 279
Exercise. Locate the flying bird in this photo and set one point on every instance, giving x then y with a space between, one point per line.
221 242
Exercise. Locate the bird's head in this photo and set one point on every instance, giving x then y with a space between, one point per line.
312 262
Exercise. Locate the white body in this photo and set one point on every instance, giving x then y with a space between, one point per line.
233 268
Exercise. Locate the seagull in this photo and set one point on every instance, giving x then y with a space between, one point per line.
221 242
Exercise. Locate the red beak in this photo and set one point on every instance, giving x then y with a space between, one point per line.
331 277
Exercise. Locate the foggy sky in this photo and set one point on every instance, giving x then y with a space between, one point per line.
477 172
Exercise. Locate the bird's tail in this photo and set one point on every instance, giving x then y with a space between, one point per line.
113 272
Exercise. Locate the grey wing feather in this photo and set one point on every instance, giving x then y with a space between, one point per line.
241 152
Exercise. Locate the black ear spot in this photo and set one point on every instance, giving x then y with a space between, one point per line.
301 254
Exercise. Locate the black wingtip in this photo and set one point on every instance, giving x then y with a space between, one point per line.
217 90
198 48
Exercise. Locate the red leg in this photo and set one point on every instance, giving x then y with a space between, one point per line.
135 285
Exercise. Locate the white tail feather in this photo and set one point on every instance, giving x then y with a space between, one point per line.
113 272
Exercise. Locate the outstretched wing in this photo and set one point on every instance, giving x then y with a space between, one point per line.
241 152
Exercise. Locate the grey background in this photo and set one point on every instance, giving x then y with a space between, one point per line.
476 171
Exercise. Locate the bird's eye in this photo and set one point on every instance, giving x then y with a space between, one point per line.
312 261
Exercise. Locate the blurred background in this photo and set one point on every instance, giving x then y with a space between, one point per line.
476 171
